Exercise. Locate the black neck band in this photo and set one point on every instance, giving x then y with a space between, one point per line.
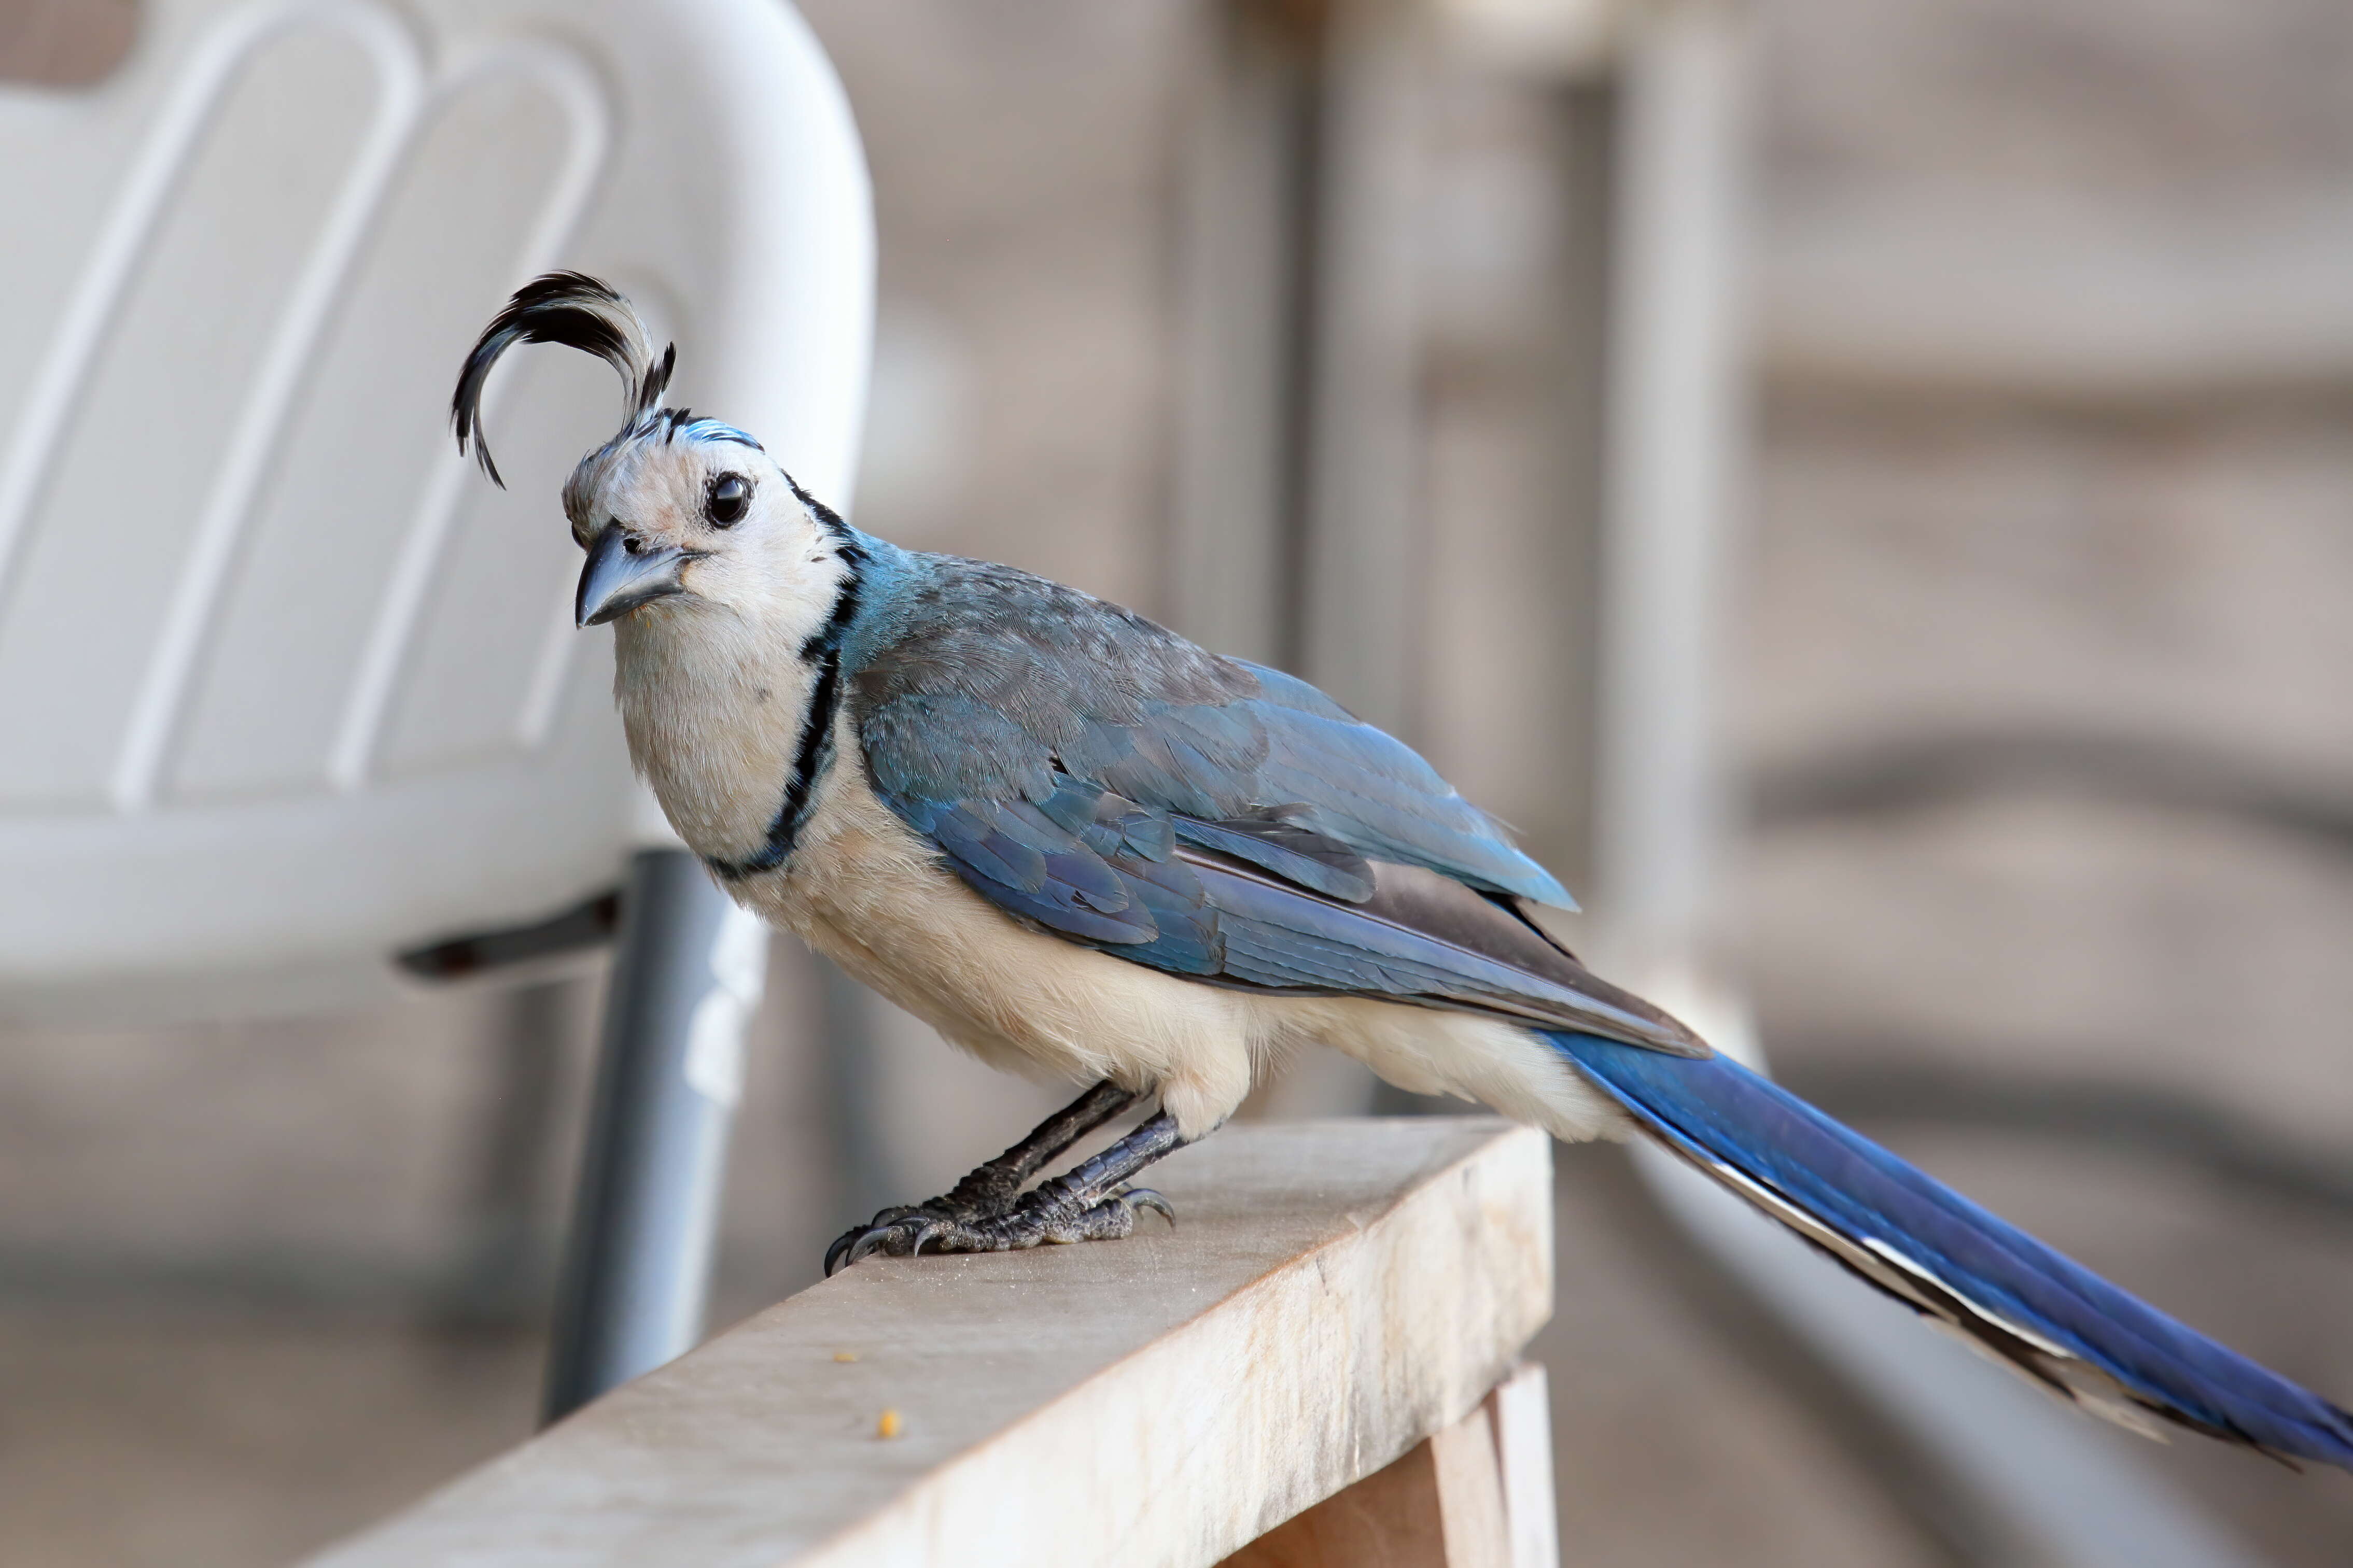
812 755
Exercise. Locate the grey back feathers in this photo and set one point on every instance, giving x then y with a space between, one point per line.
991 678
577 312
1049 658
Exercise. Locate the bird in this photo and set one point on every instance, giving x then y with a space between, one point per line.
1079 844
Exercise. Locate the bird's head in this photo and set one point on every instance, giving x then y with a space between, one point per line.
673 510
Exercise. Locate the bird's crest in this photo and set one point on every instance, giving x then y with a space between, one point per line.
578 311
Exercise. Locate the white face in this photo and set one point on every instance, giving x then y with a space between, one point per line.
679 515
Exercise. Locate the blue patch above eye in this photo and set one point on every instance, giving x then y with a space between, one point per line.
718 430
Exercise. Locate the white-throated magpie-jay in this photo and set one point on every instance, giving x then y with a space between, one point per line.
1074 842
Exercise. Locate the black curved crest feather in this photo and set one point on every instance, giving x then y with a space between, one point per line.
578 311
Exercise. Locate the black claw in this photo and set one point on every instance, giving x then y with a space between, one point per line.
1146 1198
862 1240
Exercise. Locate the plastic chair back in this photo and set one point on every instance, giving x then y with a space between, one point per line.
284 684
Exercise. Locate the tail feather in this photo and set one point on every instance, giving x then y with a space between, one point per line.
1912 1237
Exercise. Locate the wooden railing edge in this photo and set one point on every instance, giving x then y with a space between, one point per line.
1338 1297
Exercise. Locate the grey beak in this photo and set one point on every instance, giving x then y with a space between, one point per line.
623 574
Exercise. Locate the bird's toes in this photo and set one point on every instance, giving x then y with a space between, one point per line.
899 1240
1109 1219
904 1236
1041 1218
920 1222
1140 1198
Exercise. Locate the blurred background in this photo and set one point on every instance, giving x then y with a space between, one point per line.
1865 486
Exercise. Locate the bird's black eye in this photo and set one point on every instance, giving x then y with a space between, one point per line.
729 495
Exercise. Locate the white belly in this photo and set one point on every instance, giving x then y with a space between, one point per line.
864 890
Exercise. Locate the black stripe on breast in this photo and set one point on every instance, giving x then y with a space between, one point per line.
814 753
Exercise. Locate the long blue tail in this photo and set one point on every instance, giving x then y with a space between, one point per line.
1919 1241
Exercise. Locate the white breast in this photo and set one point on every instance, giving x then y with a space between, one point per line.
712 711
867 891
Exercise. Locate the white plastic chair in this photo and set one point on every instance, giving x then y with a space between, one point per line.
286 687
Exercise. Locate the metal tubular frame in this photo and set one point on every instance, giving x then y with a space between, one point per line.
686 976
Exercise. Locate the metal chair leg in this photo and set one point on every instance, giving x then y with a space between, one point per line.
687 975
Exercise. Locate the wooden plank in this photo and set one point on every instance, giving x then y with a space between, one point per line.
1336 1292
1391 1518
1522 1409
1470 1486
1477 1494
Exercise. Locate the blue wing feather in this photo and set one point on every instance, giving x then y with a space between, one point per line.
1289 851
1056 749
1020 859
992 680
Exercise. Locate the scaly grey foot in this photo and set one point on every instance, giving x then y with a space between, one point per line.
993 1190
1092 1201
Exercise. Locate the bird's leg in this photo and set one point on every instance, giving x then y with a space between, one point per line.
994 1188
1089 1202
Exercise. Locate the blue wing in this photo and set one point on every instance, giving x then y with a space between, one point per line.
989 678
1093 773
